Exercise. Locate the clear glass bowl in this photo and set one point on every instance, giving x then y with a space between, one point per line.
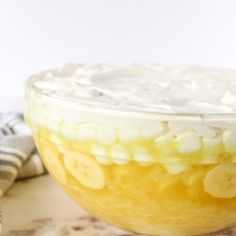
137 170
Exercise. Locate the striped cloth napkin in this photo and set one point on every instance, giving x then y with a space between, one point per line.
18 156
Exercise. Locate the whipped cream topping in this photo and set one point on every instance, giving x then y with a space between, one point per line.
143 87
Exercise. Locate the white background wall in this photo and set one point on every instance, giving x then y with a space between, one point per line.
36 35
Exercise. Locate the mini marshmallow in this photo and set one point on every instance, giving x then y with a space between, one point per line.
142 156
212 142
106 135
129 135
86 132
164 138
39 118
153 130
101 155
176 168
120 154
53 123
188 143
68 131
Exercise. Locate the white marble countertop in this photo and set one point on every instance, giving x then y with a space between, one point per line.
37 207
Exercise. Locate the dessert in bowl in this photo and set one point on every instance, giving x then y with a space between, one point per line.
149 148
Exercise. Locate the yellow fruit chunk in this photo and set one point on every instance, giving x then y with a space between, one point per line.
220 181
84 169
194 183
55 166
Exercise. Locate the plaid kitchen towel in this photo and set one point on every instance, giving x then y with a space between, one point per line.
18 155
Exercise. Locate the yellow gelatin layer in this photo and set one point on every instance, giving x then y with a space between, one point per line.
151 186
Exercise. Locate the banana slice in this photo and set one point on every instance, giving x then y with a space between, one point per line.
59 143
84 169
220 181
51 158
54 165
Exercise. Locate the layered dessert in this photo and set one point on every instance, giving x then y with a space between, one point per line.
146 147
